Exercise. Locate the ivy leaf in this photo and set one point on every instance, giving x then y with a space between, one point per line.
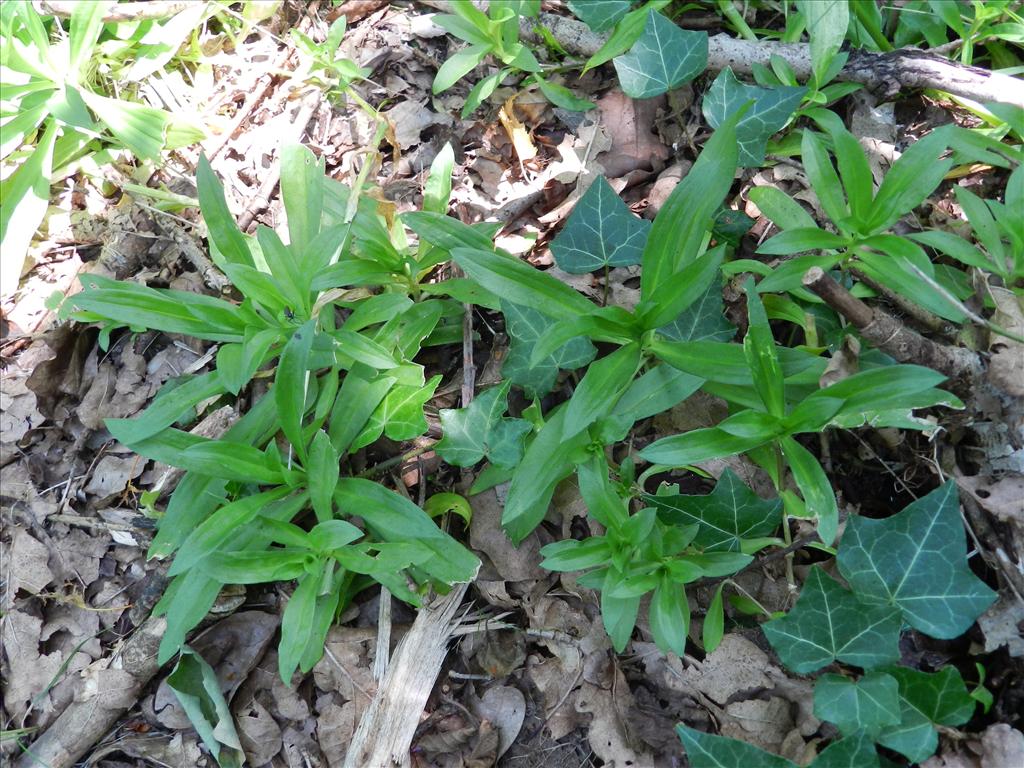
704 320
869 703
768 114
399 415
856 751
926 700
481 430
916 561
729 513
601 232
705 750
663 58
599 15
526 326
829 623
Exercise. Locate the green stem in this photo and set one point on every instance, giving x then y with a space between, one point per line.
734 16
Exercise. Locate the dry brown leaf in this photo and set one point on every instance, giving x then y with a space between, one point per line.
179 751
845 362
759 722
77 555
25 566
18 412
334 728
607 733
258 732
1003 624
629 123
736 665
512 563
1006 366
26 672
111 475
505 708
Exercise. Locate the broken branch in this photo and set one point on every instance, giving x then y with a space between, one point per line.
887 73
891 336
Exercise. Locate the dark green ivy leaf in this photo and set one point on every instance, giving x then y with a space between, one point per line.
599 15
481 429
663 58
705 750
829 623
870 703
926 701
526 327
916 562
601 232
729 513
770 110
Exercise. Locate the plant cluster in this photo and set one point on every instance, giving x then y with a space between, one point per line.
334 311
53 99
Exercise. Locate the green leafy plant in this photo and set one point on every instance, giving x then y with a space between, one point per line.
55 110
862 217
496 33
269 501
911 569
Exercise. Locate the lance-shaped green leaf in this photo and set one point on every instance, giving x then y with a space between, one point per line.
916 561
396 519
526 327
814 486
926 701
704 320
599 15
829 623
705 750
548 459
600 388
601 232
768 113
729 513
521 283
870 703
322 472
669 615
657 390
198 691
678 230
481 429
291 382
741 432
663 58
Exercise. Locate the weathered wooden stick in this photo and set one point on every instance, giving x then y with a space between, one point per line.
891 336
886 73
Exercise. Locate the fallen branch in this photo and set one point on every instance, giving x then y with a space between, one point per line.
95 710
893 337
153 9
386 730
884 73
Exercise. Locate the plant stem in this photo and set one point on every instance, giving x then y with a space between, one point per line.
730 12
780 472
387 464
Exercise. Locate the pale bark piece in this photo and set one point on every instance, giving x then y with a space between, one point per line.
386 730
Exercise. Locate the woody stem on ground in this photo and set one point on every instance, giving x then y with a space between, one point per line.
887 73
892 336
